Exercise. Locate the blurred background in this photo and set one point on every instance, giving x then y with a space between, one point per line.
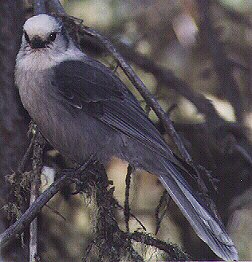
196 57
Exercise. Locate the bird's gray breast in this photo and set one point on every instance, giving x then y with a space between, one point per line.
71 131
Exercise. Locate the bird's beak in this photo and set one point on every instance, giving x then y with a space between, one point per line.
37 42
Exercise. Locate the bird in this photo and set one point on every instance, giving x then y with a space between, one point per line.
82 108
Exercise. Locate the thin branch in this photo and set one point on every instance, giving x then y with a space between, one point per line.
174 252
131 214
232 146
37 164
26 157
163 199
168 79
19 226
56 212
126 202
243 152
39 7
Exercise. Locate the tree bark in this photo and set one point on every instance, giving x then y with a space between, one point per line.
13 120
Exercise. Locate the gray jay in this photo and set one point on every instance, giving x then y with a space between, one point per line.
83 109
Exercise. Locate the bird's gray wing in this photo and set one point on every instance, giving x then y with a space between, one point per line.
93 88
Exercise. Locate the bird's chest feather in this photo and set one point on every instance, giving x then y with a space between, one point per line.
30 89
67 131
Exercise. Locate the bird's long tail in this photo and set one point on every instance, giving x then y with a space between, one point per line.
207 227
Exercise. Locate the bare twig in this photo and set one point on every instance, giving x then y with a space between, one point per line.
126 202
19 226
168 79
232 146
174 252
26 156
243 152
158 209
39 7
56 212
132 215
33 244
37 165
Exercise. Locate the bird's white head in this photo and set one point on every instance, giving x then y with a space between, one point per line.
45 43
42 26
43 31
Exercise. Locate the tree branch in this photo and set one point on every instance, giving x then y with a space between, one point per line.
167 78
126 201
19 226
37 164
173 252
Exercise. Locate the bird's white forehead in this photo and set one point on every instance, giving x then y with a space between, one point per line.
41 25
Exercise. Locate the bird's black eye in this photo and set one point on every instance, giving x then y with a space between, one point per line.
26 37
52 37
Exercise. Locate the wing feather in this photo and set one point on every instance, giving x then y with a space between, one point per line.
105 97
87 86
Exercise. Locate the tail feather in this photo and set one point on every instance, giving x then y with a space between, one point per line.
207 227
